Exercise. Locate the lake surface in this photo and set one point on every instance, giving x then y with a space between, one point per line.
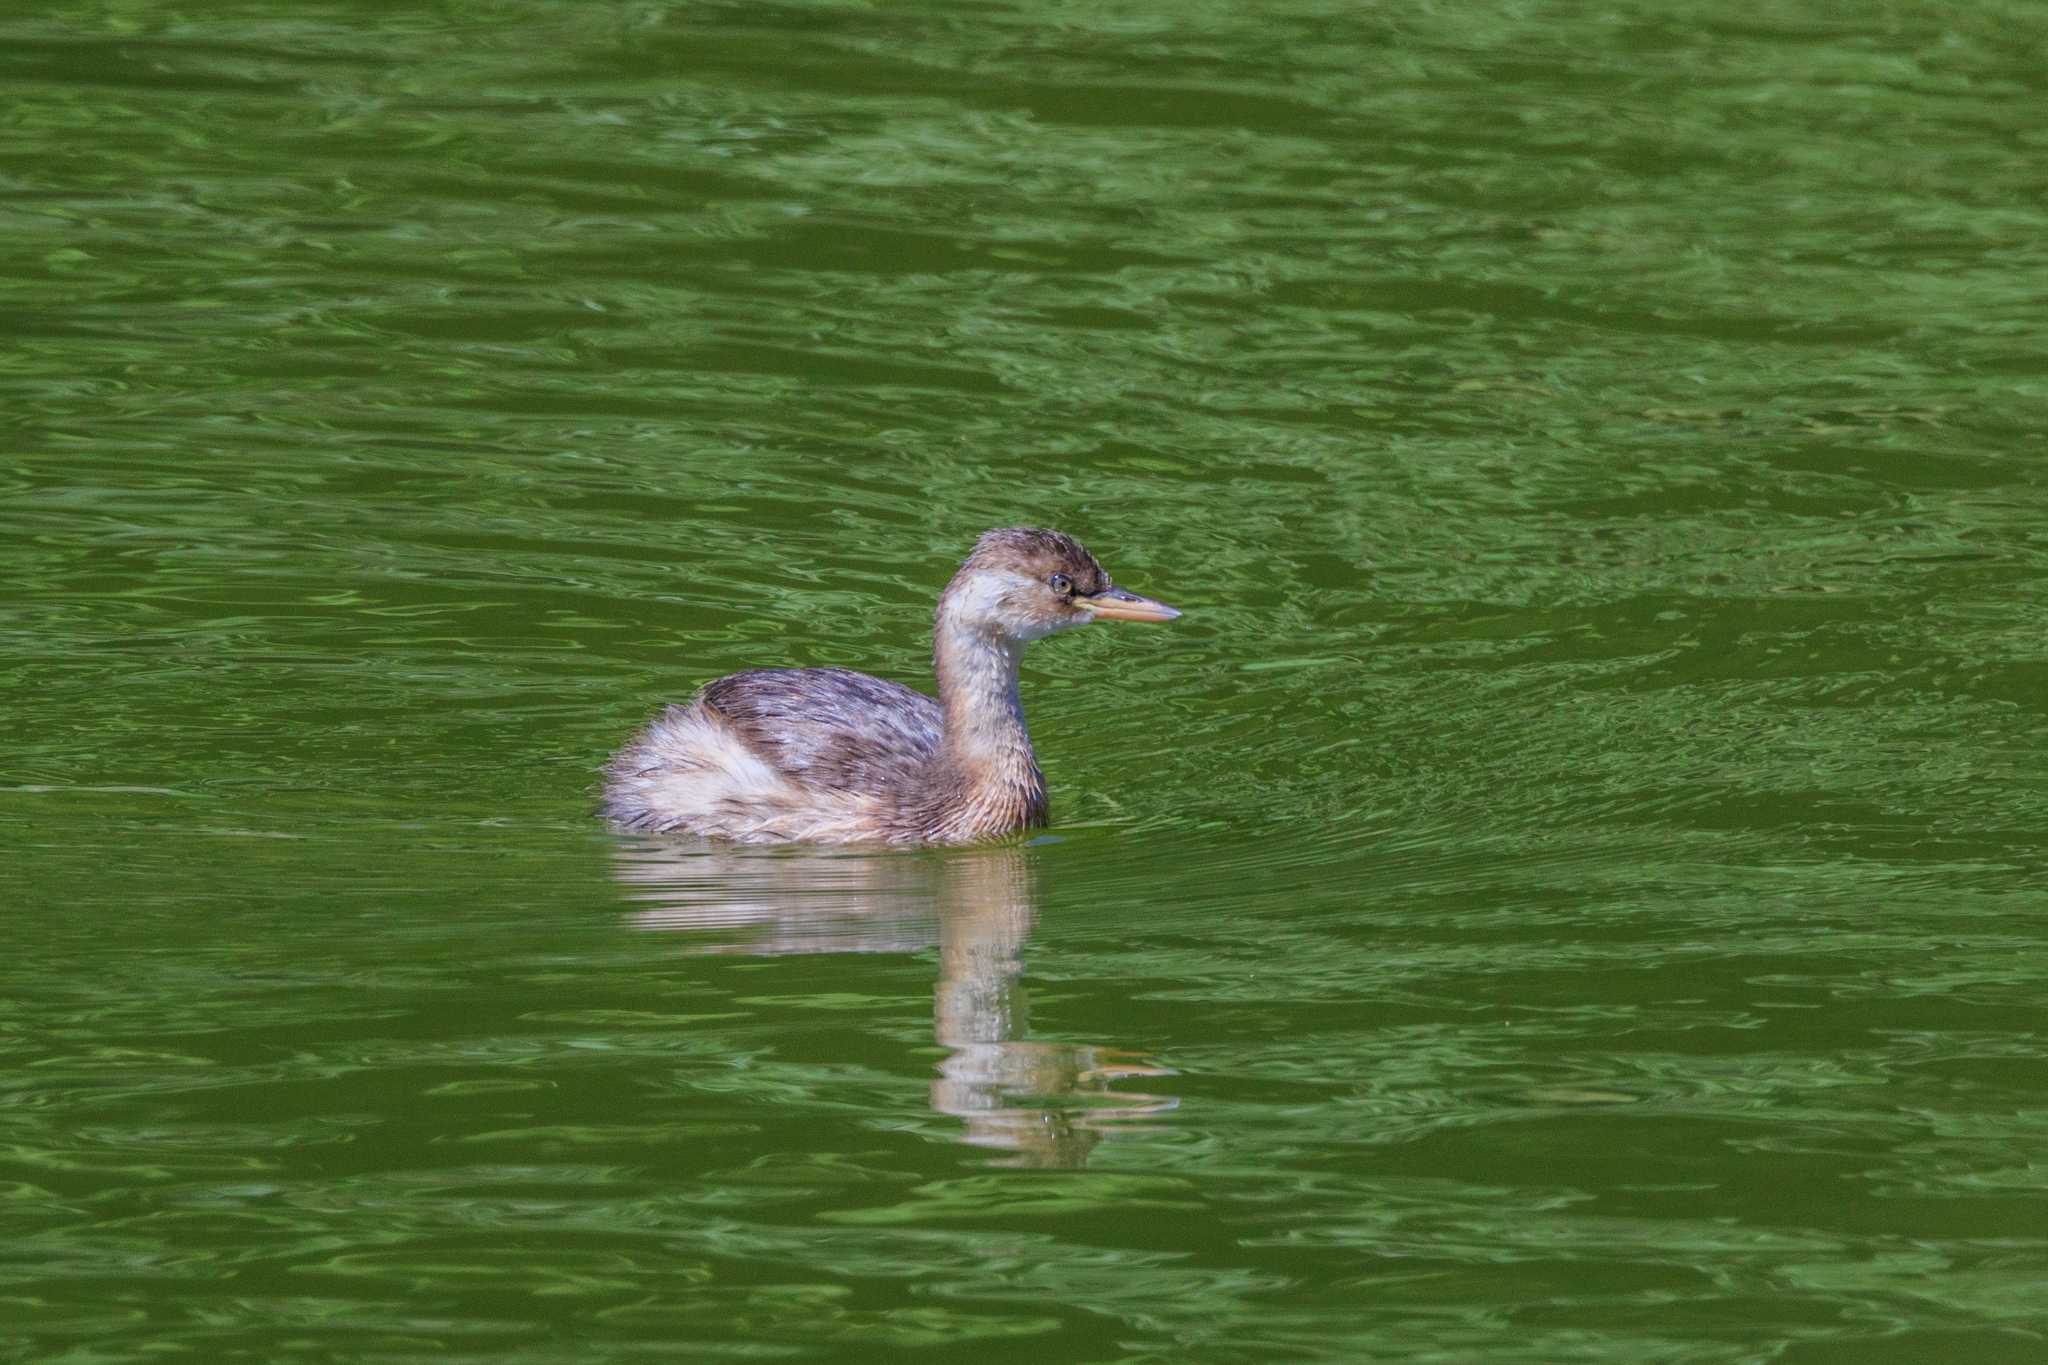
1570 889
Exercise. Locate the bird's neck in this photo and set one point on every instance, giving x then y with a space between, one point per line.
986 748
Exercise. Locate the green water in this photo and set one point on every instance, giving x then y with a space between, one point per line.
1571 888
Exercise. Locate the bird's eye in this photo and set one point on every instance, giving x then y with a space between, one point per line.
1061 584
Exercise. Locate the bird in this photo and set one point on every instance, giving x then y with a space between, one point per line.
831 756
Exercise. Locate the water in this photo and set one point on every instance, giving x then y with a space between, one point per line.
1568 890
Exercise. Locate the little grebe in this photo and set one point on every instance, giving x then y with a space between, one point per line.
833 756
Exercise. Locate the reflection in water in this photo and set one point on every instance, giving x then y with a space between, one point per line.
1047 1103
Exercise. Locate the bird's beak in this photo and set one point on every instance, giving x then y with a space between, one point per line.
1114 604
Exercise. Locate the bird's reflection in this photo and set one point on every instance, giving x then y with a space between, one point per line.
1041 1103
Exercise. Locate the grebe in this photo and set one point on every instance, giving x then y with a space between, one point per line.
827 755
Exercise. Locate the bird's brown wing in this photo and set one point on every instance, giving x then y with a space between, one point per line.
829 727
